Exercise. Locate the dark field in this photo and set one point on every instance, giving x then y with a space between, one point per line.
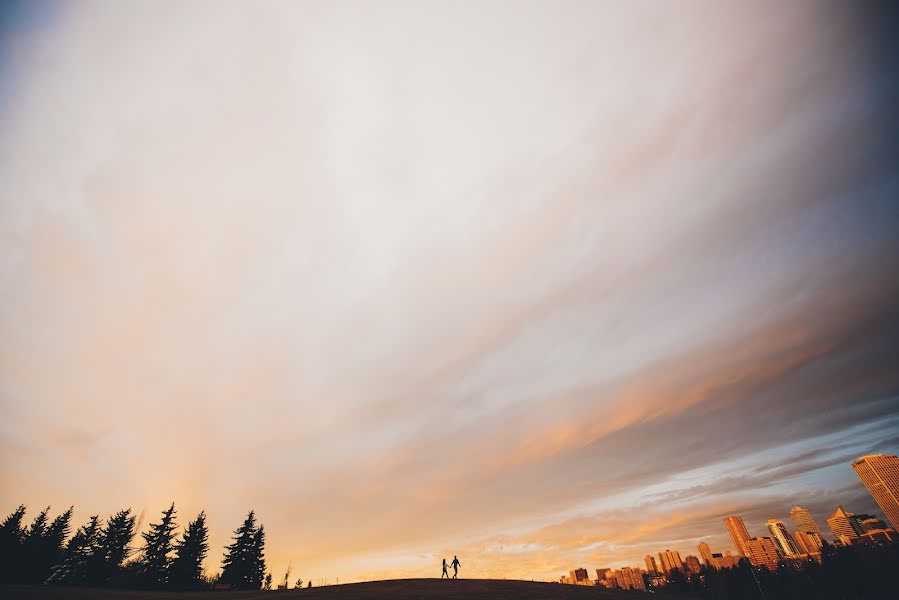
398 589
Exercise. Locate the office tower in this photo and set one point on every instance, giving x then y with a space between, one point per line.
869 523
803 520
843 525
880 474
692 564
808 542
650 565
629 578
762 552
670 561
738 533
781 537
705 552
578 575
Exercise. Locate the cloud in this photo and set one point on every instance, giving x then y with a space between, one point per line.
543 285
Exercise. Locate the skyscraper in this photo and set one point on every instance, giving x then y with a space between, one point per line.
880 474
738 533
762 553
781 537
705 552
650 564
670 561
808 542
692 564
843 526
803 520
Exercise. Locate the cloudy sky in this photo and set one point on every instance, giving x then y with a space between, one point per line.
542 284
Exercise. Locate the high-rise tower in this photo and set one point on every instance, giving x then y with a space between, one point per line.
880 474
706 553
843 526
738 533
803 520
781 537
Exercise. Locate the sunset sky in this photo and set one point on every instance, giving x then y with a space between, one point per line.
541 284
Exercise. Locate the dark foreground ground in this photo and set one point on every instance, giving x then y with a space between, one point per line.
396 589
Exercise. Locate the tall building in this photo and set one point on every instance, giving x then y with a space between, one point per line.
650 564
762 552
880 474
692 564
808 542
705 552
843 526
738 533
803 519
869 523
781 537
629 578
578 575
670 561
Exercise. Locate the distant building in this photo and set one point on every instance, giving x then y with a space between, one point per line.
705 552
670 561
692 564
869 523
578 575
762 552
603 573
881 537
808 542
728 561
781 537
737 530
803 520
880 474
650 565
630 578
843 526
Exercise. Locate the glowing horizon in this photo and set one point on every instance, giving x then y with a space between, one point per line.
544 285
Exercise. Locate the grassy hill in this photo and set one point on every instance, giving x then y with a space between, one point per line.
395 589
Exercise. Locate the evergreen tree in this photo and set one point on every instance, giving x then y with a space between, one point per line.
187 567
154 565
105 562
80 552
267 582
32 544
12 536
259 556
46 551
244 564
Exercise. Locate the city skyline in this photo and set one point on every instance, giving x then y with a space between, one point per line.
539 284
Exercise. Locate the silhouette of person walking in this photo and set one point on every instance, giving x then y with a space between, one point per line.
444 570
456 565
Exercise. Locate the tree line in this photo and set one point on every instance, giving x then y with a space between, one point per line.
101 553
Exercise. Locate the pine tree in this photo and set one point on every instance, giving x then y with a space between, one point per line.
258 558
187 567
45 547
12 536
31 548
105 562
244 565
79 553
155 563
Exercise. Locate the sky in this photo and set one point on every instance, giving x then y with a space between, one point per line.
545 285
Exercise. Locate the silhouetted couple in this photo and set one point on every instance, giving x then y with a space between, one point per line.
455 564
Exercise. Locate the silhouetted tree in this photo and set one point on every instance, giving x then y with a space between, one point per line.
81 551
244 563
186 571
12 535
153 568
112 548
267 581
43 546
